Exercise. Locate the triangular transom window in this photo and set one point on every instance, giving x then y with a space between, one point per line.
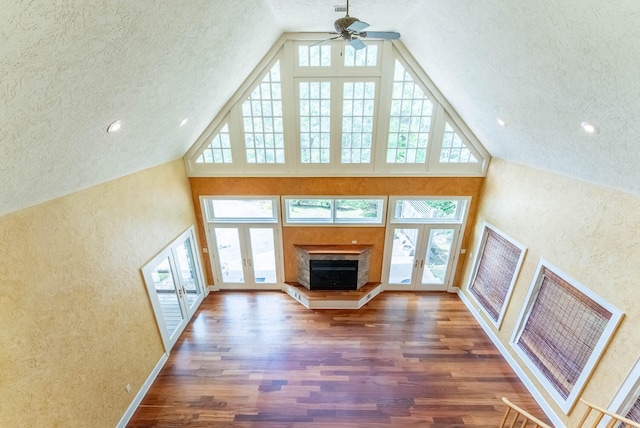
454 149
219 150
328 109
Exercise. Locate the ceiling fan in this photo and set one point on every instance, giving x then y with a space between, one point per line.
350 28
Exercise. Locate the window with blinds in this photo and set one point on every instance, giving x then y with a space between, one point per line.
562 331
497 266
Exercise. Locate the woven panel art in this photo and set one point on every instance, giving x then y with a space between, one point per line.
562 331
495 273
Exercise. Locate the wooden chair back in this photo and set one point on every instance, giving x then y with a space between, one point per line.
516 417
594 415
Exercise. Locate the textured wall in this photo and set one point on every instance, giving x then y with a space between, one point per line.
358 186
69 68
77 324
591 233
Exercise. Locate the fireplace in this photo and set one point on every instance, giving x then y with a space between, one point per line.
333 267
333 274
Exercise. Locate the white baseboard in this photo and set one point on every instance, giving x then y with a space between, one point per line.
209 289
142 392
548 410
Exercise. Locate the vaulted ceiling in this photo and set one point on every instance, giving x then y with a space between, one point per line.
69 68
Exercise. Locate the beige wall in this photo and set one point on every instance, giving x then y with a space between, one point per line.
76 321
359 186
591 233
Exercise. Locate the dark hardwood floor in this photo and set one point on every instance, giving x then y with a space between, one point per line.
260 359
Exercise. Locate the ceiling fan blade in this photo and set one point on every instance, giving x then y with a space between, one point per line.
357 44
357 26
322 41
386 35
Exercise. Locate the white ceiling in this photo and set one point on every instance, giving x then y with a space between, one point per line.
69 68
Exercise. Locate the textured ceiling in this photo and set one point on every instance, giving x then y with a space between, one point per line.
69 68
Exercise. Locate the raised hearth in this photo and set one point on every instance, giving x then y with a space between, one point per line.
333 267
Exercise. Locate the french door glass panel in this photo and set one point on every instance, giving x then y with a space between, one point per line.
437 256
188 273
263 255
230 260
403 255
172 311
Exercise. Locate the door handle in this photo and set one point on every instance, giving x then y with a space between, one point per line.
421 264
415 264
244 262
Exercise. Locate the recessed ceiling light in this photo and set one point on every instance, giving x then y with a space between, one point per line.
185 120
114 126
501 122
589 127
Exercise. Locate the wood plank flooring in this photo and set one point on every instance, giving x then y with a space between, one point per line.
260 359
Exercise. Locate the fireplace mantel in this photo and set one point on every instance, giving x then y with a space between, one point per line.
334 249
306 253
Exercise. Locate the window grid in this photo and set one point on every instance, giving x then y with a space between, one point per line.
315 123
495 273
367 57
263 121
454 150
357 121
219 150
562 330
410 120
314 56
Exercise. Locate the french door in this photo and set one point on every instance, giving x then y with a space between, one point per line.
245 255
420 256
174 281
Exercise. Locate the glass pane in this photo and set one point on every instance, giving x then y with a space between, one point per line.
242 208
426 209
438 254
188 275
167 296
410 120
216 151
357 121
309 209
367 57
263 255
229 254
454 150
262 114
315 112
403 256
314 56
359 210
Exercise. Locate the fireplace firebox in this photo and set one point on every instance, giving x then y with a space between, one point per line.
333 274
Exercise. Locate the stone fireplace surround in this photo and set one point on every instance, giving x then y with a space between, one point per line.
306 253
